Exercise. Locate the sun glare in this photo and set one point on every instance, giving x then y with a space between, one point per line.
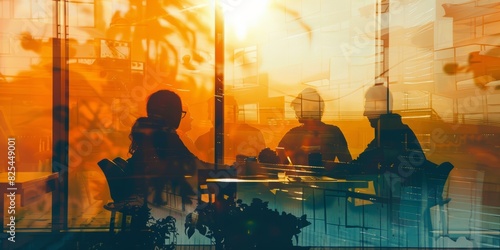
244 16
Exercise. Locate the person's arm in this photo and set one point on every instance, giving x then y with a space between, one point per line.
412 142
368 161
416 156
343 151
287 142
336 145
205 146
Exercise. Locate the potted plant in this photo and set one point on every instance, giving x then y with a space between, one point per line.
235 225
145 233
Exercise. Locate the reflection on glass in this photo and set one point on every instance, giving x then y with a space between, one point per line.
439 60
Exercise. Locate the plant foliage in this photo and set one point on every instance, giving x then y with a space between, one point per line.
235 225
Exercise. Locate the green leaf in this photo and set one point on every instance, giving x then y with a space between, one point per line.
190 232
202 229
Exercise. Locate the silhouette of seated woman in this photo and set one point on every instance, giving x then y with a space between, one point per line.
158 153
313 136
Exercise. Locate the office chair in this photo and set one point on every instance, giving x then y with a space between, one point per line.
436 181
122 189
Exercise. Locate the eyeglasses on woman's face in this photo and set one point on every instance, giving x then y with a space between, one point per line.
183 114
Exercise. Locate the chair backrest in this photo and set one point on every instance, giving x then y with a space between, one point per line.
436 180
466 213
120 182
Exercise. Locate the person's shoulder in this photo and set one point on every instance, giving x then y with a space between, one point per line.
140 123
205 137
394 121
299 128
292 136
246 127
329 126
141 120
145 122
295 131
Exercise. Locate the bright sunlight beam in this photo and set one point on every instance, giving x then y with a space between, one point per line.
244 16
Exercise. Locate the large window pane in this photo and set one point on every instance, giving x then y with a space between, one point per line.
286 66
26 110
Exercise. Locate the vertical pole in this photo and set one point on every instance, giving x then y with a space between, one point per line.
379 60
383 67
384 23
382 63
219 85
60 114
219 96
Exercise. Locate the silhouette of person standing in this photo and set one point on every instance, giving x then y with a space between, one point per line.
313 136
158 152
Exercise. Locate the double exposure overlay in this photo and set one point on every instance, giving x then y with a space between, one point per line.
249 124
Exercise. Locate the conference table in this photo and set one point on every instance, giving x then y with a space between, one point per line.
344 207
28 187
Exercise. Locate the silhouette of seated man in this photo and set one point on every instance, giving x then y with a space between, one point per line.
396 164
485 67
313 136
157 151
395 150
239 138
